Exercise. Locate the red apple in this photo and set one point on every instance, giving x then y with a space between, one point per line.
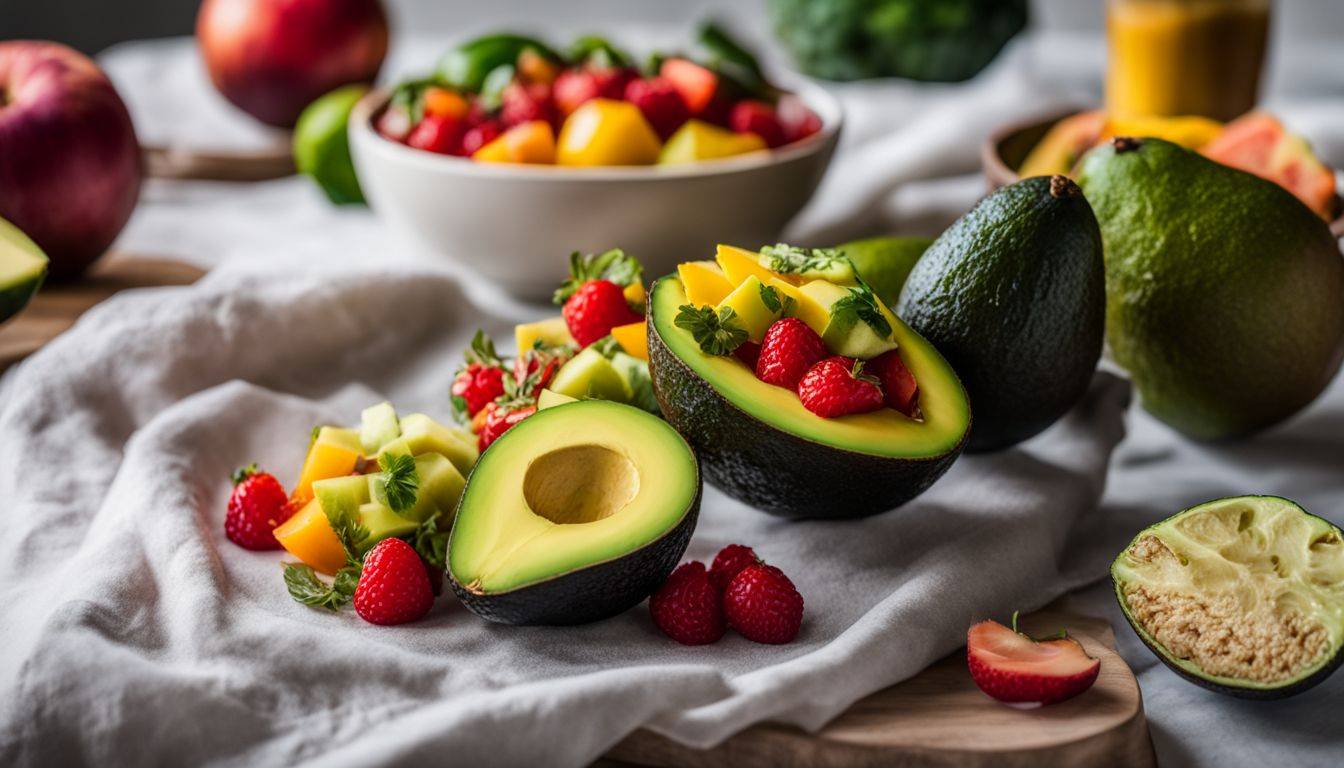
69 161
272 58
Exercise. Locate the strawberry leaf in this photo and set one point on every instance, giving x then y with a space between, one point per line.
614 265
482 350
241 474
716 333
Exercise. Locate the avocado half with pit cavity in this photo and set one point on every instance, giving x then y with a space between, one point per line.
577 513
1243 595
758 444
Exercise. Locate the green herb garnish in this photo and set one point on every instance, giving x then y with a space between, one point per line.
861 304
716 333
399 481
791 260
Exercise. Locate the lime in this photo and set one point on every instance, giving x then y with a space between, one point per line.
321 145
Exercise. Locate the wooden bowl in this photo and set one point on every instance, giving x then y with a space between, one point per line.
1006 148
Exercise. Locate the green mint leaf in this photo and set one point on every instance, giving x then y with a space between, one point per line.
716 333
861 304
305 587
615 265
792 260
400 481
770 298
431 543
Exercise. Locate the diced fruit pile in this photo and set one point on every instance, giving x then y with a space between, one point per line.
696 606
506 98
802 319
1255 142
1023 672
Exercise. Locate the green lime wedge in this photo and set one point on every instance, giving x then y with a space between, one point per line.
321 145
22 267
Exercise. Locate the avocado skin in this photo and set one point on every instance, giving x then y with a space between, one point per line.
589 594
1225 294
1013 296
772 470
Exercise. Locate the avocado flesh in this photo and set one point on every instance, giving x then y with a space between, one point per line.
23 267
1013 294
747 432
575 514
1244 595
1214 276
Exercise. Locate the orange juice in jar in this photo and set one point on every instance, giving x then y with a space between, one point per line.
1184 57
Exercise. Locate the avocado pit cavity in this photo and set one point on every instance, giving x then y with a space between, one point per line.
580 484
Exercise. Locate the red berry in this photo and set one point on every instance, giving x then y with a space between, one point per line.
688 608
789 349
437 133
479 135
594 309
662 106
573 88
393 586
898 383
730 561
612 81
757 117
478 384
799 121
748 352
763 605
697 85
542 362
498 421
837 386
257 505
525 102
1012 667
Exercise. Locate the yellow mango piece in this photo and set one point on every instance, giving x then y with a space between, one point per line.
608 132
633 338
550 332
696 140
704 282
738 264
531 142
752 313
333 454
814 304
309 537
634 293
786 288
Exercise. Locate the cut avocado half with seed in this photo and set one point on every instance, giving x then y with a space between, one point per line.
23 266
760 445
576 514
1243 595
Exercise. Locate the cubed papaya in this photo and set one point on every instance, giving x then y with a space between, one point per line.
333 453
633 338
309 537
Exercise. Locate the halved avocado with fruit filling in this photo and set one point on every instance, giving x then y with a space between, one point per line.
760 445
1243 595
576 514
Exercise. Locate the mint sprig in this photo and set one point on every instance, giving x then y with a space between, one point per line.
717 333
615 265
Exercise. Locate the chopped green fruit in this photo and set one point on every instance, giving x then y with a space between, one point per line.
636 375
848 323
697 141
378 427
756 305
550 398
436 488
382 523
341 497
589 375
23 266
420 435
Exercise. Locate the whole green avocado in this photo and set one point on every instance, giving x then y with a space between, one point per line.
1224 293
1013 295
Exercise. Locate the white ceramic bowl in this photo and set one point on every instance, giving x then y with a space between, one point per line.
517 224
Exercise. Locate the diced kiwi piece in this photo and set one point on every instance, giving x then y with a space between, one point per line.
548 398
341 497
589 375
437 487
420 434
382 523
378 426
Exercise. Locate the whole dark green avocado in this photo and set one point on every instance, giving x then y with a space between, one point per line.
1013 295
1225 294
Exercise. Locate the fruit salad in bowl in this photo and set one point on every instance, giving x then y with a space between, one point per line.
511 146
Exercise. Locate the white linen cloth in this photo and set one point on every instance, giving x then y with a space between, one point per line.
136 633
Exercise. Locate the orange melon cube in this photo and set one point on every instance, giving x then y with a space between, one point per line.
333 454
633 338
530 142
309 537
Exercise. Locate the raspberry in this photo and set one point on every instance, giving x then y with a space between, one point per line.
688 608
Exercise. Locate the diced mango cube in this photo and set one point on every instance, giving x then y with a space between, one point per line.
550 332
531 142
704 282
332 454
633 338
753 313
738 264
309 537
607 132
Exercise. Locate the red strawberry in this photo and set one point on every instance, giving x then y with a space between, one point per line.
662 106
481 380
763 605
789 349
748 352
393 586
688 608
594 309
574 87
898 383
479 135
437 133
696 84
498 421
1014 668
757 117
838 386
541 364
257 505
524 102
799 121
730 561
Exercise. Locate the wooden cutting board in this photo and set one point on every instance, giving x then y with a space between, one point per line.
939 718
202 165
57 306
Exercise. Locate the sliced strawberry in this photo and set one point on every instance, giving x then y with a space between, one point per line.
695 83
1014 668
498 421
437 133
757 117
594 309
898 383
